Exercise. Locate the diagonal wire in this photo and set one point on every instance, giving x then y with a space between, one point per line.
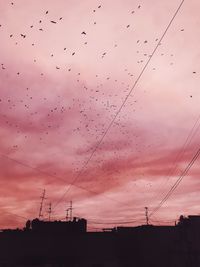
57 177
177 182
179 155
120 108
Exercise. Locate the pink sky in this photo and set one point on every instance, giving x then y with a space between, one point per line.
55 105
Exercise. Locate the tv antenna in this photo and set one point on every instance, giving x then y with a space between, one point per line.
69 212
49 211
41 203
147 215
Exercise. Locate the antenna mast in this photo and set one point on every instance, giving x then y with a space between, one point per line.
41 203
67 214
147 215
49 211
70 210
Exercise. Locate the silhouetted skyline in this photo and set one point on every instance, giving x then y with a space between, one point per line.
66 70
68 244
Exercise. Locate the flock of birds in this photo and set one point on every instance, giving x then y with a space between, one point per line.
80 111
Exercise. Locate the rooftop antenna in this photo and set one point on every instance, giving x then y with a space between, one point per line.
147 215
49 211
41 203
67 214
70 209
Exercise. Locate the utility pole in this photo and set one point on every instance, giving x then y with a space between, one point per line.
147 215
49 211
70 210
41 203
67 215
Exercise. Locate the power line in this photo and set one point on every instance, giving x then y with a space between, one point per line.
44 173
178 181
57 177
137 219
113 223
14 214
181 177
179 155
163 222
94 228
120 108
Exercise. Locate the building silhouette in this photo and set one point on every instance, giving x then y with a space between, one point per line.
69 244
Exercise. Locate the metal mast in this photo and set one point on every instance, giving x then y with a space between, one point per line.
69 212
70 208
49 211
41 203
147 215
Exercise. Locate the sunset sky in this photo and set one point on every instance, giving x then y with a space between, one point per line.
66 68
